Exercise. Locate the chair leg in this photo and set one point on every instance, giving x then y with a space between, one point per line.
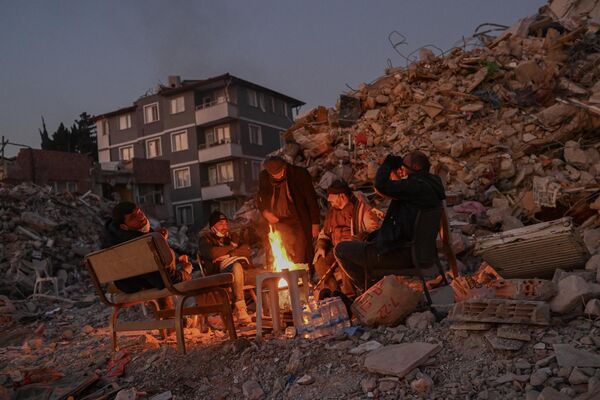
426 292
274 305
113 326
441 269
253 295
155 310
226 314
179 325
259 309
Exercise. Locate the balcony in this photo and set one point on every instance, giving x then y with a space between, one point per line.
223 190
214 112
219 151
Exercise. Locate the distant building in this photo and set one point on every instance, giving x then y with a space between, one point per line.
60 170
214 132
142 181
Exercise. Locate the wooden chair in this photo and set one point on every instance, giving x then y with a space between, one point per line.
147 254
423 250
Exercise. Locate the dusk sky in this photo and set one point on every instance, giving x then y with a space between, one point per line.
60 58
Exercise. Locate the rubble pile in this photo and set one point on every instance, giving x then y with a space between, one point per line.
511 124
44 237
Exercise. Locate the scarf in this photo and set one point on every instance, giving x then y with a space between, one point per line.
281 200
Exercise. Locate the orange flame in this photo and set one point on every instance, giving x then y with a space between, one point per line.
281 260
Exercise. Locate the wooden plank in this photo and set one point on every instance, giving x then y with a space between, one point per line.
144 325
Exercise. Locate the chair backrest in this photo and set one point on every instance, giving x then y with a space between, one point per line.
427 228
132 258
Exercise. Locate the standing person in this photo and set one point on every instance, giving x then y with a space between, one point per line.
288 201
410 185
221 251
129 222
350 217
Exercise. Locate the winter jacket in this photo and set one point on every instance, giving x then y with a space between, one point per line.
303 196
419 191
217 253
353 222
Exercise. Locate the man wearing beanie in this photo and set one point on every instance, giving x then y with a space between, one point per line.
349 217
129 222
411 188
221 251
288 201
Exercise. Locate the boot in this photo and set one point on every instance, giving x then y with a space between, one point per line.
241 312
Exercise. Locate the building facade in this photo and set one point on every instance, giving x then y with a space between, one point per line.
62 171
214 132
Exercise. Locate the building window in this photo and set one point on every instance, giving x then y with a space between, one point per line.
181 178
286 110
125 121
179 141
252 98
177 105
220 173
255 134
153 148
184 214
105 128
261 102
255 170
126 153
150 194
228 207
273 108
218 135
151 113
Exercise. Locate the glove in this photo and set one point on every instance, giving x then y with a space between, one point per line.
319 253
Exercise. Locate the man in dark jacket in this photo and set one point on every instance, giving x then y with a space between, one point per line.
287 200
129 222
221 251
411 187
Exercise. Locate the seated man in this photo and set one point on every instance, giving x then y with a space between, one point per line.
222 252
129 222
349 217
411 187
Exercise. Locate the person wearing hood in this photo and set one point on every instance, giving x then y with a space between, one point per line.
221 251
288 202
411 188
349 217
129 222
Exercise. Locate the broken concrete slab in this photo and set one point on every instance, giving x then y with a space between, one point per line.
592 308
514 332
366 347
400 359
502 311
498 343
542 249
573 291
569 356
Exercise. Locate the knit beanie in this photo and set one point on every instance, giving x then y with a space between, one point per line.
215 217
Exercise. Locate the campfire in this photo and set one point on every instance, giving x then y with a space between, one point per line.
281 261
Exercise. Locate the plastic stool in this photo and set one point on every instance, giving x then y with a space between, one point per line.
269 281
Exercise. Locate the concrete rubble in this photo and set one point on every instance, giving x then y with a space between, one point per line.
511 127
46 235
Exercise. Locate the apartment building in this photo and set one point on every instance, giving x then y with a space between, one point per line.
214 132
